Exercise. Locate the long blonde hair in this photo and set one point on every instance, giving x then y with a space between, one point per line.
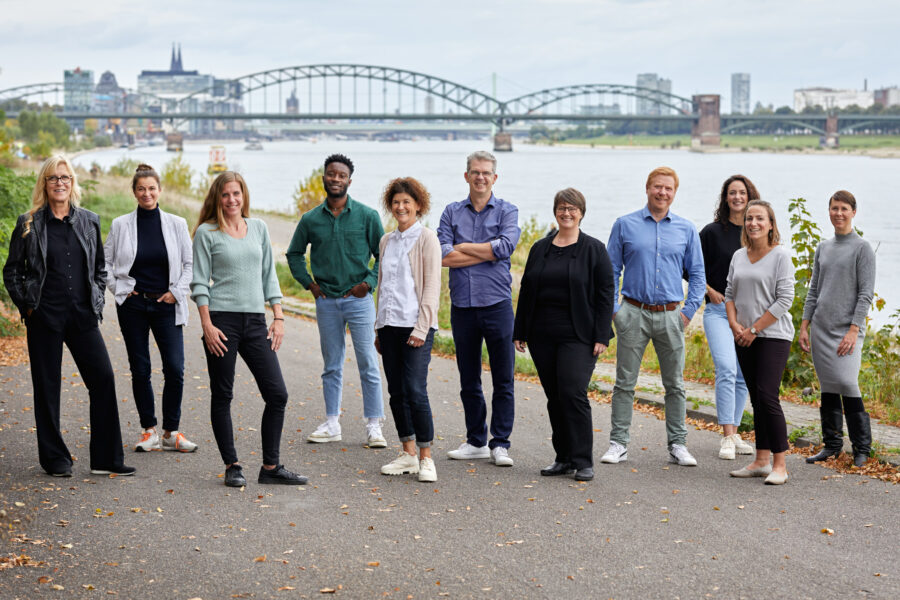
211 211
39 194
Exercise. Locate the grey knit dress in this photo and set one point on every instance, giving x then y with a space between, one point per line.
840 294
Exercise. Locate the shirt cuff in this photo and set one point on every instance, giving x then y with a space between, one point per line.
446 249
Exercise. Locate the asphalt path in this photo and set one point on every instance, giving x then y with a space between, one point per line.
641 529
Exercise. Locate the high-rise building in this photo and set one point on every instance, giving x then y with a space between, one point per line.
429 105
888 96
78 90
648 104
740 93
829 98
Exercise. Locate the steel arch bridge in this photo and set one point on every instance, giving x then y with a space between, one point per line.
32 89
535 101
467 99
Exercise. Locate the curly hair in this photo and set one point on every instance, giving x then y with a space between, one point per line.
407 185
722 209
339 158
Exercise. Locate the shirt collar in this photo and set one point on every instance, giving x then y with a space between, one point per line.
646 214
347 207
413 229
48 214
491 201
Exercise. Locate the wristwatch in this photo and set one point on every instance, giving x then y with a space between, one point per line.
754 330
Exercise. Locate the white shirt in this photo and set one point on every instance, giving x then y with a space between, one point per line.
398 305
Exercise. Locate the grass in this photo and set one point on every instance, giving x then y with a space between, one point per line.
746 142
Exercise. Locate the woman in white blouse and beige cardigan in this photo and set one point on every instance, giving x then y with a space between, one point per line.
409 287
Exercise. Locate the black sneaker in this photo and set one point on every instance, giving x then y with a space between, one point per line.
234 476
63 473
280 475
120 471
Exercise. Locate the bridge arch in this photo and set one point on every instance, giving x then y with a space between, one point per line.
465 98
748 122
529 103
32 89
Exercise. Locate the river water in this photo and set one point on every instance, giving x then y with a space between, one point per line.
612 180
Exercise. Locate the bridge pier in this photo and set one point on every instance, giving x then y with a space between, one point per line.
832 140
706 130
502 142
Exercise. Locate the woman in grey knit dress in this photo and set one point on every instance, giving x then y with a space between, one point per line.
834 326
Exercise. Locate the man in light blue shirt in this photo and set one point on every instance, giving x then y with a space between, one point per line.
656 248
478 235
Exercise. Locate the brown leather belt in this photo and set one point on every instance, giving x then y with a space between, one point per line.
150 296
652 307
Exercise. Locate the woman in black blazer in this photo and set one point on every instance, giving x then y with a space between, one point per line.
565 310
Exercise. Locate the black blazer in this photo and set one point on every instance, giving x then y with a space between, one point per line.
590 287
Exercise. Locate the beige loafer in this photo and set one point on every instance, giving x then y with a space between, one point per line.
776 478
744 472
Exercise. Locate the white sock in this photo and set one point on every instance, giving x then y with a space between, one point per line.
333 422
375 421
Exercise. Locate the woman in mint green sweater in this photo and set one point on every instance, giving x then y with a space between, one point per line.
234 277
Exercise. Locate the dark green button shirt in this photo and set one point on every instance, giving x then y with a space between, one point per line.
340 248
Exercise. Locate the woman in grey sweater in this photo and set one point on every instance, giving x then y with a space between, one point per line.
838 301
758 298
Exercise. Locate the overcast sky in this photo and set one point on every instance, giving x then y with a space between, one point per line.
530 44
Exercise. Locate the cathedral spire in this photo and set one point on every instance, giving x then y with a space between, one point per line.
172 63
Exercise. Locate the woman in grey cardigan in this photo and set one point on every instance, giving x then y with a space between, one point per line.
149 266
758 298
838 301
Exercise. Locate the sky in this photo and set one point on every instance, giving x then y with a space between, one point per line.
529 44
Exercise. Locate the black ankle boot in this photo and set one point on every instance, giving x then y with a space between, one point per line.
860 430
832 433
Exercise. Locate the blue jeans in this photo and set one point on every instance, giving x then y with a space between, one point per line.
406 370
492 325
731 391
138 316
333 315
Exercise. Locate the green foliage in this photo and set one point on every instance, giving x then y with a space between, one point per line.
107 206
746 423
799 432
124 167
532 231
176 175
310 192
32 125
880 373
15 199
805 238
289 285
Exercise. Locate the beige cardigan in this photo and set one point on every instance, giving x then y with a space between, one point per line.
425 264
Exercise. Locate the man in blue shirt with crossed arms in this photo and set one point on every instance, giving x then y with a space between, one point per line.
477 237
656 248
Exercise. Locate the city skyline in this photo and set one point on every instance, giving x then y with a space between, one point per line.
529 44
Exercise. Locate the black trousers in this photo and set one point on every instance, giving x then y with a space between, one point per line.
762 364
565 365
246 333
45 349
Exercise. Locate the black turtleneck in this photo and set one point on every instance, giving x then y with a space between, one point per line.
151 263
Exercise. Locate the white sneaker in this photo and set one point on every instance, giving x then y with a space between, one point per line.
404 464
726 448
427 472
374 437
467 452
500 457
149 441
178 443
740 446
323 434
617 453
679 454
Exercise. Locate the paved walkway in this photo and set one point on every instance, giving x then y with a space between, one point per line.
701 401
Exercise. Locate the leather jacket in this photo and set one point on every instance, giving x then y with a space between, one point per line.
26 266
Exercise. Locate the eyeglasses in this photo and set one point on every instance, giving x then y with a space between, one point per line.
561 210
65 179
485 174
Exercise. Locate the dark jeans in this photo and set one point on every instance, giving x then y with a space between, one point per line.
406 370
45 349
246 333
492 325
565 365
138 316
762 364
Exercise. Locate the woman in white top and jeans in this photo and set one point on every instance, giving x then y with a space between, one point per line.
409 287
758 298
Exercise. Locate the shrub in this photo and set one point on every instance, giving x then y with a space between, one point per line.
310 192
176 175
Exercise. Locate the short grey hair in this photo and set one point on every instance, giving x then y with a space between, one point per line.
481 155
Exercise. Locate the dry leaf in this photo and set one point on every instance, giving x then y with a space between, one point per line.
260 558
827 531
326 591
374 563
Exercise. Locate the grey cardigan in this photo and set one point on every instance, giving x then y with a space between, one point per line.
121 247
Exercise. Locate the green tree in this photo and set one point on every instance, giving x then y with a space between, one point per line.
310 192
805 238
177 175
15 199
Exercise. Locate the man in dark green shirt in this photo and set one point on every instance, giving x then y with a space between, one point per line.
343 236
